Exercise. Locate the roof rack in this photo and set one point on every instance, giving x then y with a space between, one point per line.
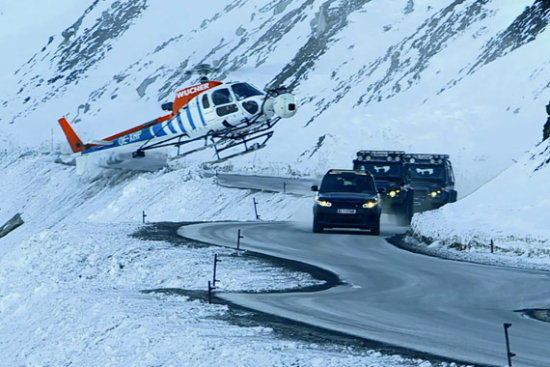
425 158
380 155
351 171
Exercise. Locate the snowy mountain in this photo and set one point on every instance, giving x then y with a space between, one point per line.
367 74
468 78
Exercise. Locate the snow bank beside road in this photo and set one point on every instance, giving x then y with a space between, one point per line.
512 211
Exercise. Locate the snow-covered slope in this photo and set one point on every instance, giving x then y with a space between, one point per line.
77 286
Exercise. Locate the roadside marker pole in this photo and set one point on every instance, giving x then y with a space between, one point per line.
239 239
255 208
508 353
216 261
210 292
143 216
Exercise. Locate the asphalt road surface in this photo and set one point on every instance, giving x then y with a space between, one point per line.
447 308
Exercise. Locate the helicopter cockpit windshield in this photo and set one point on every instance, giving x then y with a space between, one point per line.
245 90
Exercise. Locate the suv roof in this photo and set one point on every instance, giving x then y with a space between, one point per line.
380 155
348 171
426 158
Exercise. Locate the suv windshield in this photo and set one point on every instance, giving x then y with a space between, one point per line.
431 173
348 183
383 170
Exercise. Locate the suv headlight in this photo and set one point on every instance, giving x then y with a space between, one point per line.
324 203
435 193
394 193
370 204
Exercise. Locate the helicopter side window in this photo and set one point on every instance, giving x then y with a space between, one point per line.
251 107
221 96
244 90
226 110
205 101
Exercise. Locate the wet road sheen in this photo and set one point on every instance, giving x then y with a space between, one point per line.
447 308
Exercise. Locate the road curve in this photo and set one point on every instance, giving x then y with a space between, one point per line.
450 309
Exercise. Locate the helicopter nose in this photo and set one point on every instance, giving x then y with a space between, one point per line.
285 105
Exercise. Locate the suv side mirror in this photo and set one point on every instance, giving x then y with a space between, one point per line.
314 188
381 190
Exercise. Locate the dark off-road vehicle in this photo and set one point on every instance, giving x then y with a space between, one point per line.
347 199
433 180
389 171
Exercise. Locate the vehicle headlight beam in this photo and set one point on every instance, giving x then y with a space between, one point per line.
324 203
370 204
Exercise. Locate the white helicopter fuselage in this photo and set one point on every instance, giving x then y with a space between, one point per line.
221 112
229 106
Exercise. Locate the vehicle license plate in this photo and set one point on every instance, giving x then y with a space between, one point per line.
346 211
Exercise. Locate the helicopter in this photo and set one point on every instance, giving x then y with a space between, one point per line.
224 115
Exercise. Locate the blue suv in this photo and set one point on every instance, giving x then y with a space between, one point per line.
347 199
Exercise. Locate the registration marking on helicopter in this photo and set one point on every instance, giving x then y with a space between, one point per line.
130 138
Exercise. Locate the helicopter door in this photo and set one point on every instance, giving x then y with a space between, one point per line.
205 106
225 106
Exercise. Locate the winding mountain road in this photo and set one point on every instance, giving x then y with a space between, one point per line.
447 308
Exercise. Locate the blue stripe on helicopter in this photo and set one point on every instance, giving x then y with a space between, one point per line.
146 135
180 123
200 112
158 130
171 127
137 136
190 118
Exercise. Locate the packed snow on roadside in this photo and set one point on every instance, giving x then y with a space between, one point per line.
511 212
78 287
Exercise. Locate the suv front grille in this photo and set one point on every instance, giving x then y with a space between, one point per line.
346 205
420 196
345 218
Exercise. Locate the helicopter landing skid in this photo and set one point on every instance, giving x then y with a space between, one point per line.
249 143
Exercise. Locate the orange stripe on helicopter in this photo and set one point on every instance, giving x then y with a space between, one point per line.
185 95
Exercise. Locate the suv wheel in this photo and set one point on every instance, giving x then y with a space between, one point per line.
376 230
406 212
316 227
